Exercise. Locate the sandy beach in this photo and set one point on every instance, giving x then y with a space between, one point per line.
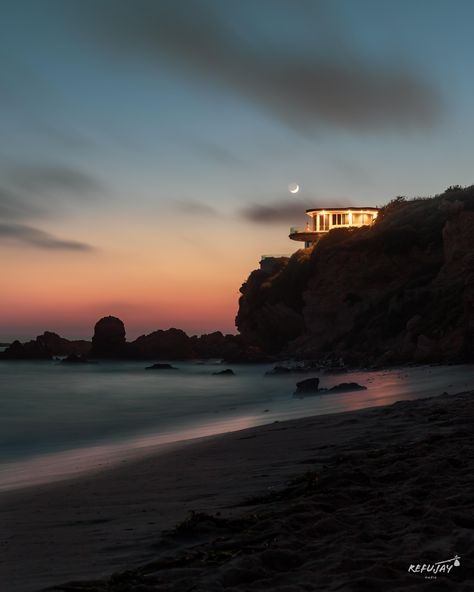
342 502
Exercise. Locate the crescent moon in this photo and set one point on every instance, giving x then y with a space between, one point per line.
294 188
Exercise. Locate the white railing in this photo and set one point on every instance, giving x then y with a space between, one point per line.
295 230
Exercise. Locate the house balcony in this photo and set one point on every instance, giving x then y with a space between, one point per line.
304 235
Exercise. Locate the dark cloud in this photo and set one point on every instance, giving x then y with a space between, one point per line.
16 207
38 191
282 212
46 178
34 237
33 191
306 80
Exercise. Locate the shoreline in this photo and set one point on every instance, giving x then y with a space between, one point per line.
114 520
384 387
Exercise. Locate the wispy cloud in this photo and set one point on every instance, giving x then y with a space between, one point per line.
34 237
33 192
216 153
47 178
14 206
197 208
282 212
312 82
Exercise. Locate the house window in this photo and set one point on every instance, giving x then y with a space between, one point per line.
323 222
339 219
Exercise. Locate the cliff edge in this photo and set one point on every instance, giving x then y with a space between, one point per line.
401 290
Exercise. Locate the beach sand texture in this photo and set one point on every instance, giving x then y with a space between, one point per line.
343 502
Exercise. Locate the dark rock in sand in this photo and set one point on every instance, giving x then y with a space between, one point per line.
159 366
309 385
109 339
346 386
227 372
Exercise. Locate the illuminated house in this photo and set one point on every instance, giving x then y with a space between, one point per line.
325 219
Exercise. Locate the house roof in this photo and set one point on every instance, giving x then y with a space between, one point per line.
351 208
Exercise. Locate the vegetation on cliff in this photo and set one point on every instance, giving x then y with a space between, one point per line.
399 291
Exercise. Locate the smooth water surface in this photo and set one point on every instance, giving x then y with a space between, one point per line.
48 408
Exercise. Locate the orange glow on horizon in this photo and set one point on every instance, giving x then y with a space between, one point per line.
151 280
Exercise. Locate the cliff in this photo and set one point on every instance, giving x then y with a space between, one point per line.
271 306
399 291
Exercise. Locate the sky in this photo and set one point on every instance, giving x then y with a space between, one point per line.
147 146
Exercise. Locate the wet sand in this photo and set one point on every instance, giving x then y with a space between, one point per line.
338 502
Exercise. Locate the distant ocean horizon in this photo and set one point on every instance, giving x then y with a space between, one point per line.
49 410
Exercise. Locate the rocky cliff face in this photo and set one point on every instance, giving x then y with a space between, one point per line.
399 291
271 306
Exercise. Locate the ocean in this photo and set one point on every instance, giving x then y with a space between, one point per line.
58 419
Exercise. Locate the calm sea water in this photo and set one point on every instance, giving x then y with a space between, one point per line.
50 410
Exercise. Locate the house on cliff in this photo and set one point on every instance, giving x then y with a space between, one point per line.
325 219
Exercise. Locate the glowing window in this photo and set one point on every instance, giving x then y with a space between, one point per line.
339 219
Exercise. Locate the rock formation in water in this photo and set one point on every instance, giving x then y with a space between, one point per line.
160 366
109 342
59 346
109 339
226 372
170 344
217 345
44 347
399 291
31 350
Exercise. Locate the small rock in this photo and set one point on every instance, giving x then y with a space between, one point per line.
159 366
309 385
75 359
346 386
227 372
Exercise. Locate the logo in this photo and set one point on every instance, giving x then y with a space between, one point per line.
431 570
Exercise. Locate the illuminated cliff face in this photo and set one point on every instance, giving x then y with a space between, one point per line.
325 219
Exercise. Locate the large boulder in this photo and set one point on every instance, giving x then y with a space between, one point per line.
109 339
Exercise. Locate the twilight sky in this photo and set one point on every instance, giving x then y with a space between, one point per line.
146 146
